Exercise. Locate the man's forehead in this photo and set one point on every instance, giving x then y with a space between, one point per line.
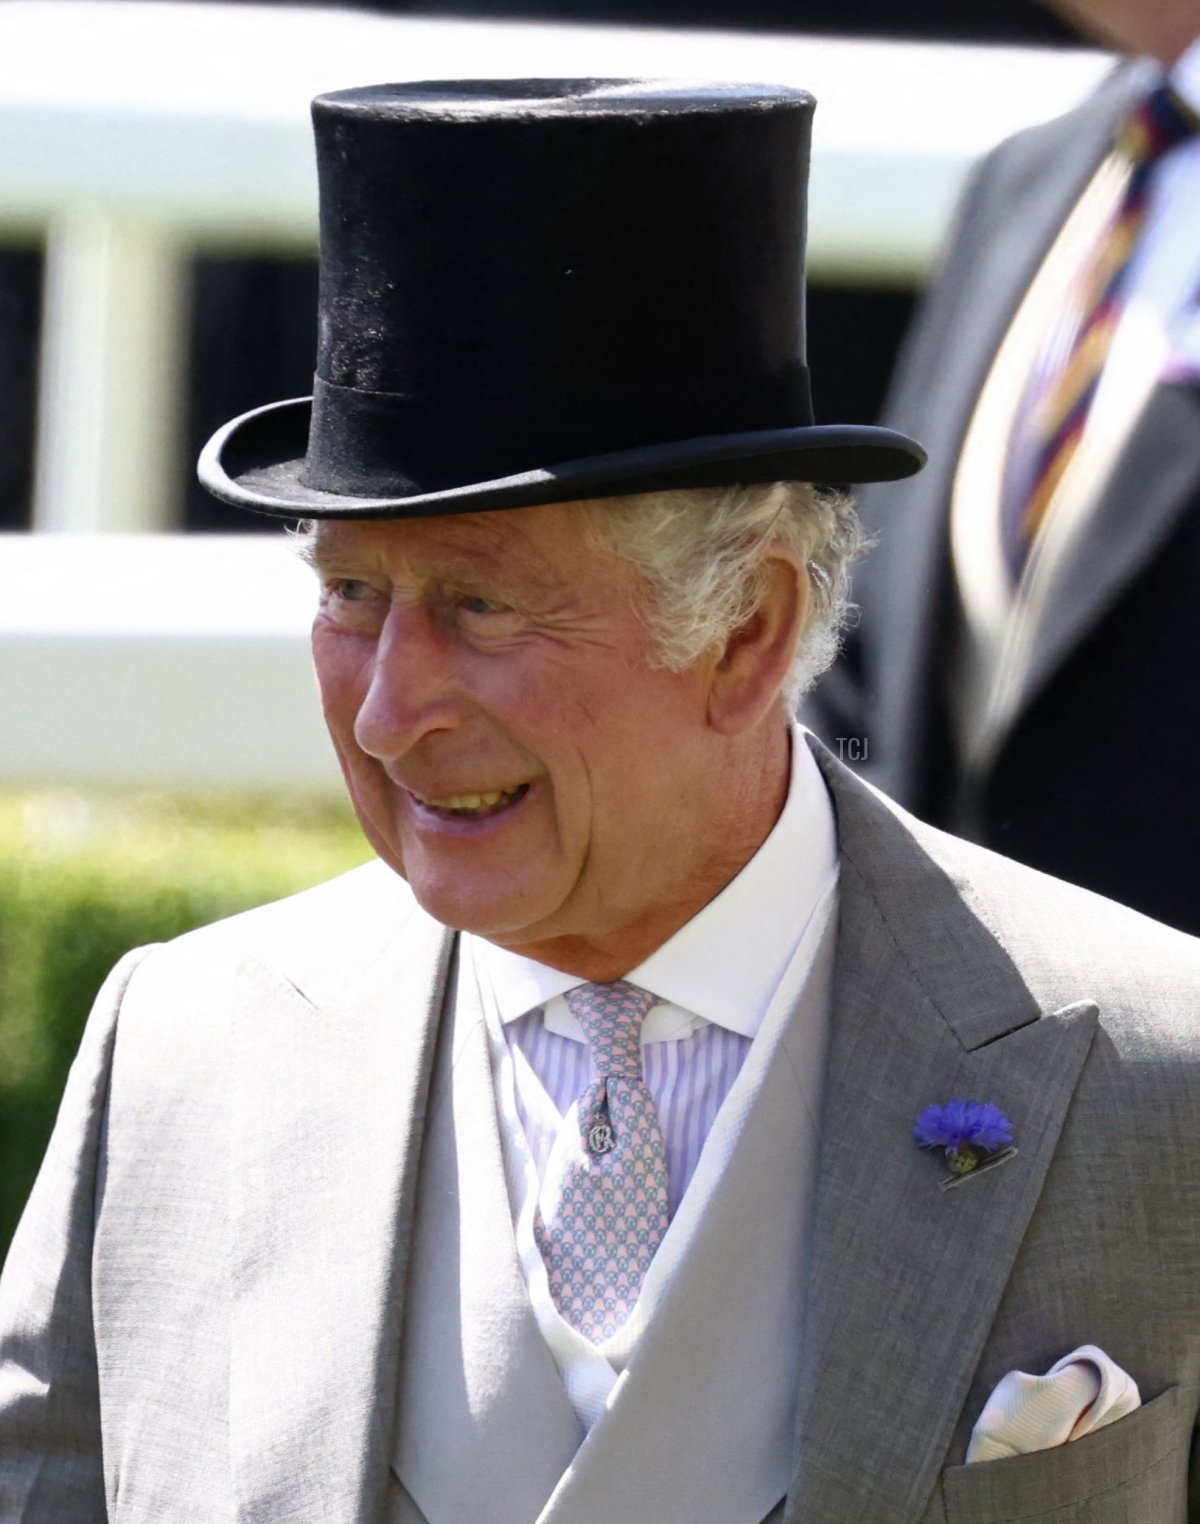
531 538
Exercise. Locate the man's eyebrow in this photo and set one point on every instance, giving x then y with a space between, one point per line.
483 559
326 553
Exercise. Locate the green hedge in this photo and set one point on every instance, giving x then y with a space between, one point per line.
83 879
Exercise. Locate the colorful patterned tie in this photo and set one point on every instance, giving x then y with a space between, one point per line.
1060 411
611 1212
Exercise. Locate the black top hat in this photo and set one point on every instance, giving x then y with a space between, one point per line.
545 290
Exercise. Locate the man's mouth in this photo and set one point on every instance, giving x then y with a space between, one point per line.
473 806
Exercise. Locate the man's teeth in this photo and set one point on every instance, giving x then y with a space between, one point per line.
474 802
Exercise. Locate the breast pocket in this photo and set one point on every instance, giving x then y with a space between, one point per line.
1133 1471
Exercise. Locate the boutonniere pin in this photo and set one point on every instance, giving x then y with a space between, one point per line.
973 1134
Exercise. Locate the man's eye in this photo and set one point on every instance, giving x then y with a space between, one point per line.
349 590
475 605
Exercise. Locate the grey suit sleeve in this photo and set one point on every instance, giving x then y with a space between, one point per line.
50 1449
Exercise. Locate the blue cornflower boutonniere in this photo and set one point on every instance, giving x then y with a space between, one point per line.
971 1133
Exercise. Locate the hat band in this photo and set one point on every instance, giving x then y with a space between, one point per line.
369 443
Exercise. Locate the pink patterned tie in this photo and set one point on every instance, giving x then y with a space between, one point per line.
611 1212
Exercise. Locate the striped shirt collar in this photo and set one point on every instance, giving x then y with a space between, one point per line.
725 963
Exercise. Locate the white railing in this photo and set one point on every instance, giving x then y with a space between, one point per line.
134 132
158 660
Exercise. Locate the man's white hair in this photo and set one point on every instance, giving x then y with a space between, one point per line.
702 554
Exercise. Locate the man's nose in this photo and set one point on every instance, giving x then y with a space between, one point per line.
413 688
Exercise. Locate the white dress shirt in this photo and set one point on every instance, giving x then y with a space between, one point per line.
716 979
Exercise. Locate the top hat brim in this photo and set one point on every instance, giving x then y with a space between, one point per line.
257 462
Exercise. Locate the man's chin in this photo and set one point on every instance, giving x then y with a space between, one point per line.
509 922
483 900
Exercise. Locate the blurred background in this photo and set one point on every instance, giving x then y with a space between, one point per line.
162 760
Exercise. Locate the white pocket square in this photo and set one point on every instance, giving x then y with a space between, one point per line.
1083 1392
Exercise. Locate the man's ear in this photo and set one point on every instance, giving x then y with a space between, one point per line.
753 666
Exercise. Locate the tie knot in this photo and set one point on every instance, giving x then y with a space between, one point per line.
1159 122
611 1016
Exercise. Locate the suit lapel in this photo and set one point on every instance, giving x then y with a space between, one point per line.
724 1336
1014 235
1001 241
1137 510
1003 265
906 1276
328 1114
1004 245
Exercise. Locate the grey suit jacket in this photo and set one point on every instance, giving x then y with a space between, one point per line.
200 1318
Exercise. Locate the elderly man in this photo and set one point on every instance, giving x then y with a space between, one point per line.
667 1128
